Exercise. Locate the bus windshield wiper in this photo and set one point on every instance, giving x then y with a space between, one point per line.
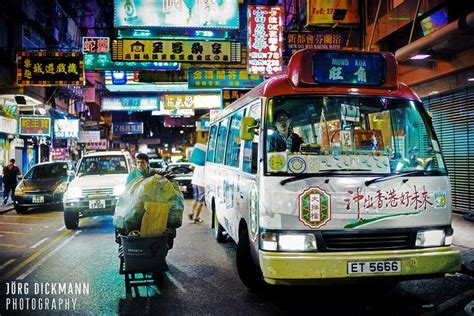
398 175
325 172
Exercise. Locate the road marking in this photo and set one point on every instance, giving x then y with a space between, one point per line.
31 216
39 242
43 260
7 263
10 223
11 245
14 233
175 282
453 301
38 253
61 228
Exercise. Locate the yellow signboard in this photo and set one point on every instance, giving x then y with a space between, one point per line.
331 11
176 50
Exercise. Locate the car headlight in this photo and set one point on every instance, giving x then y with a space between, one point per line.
273 241
20 189
73 193
430 238
61 188
119 189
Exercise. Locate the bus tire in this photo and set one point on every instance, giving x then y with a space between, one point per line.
249 274
71 220
218 230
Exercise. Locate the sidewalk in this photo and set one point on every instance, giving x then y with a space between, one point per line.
463 240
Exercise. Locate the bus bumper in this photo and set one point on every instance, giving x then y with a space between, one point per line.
296 268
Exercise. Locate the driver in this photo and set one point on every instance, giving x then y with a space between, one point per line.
284 139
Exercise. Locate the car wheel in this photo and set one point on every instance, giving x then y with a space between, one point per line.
71 220
218 230
249 273
20 209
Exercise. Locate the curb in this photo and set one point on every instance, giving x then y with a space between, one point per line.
7 209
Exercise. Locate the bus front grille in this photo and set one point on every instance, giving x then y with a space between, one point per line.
367 240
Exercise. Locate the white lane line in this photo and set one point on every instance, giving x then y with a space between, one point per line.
43 260
61 228
454 300
175 282
39 242
3 266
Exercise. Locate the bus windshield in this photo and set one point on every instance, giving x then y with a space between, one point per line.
349 134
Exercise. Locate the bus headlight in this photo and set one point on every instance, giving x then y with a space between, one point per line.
297 242
430 238
268 241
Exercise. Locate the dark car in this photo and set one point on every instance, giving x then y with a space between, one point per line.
183 174
43 186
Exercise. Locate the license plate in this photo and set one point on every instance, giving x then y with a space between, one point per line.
38 199
94 204
183 188
372 267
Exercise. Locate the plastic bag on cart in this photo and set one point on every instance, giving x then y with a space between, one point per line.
130 207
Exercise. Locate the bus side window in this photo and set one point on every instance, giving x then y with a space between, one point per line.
233 141
211 143
221 141
250 155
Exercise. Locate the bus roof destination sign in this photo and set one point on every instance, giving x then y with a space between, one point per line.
364 69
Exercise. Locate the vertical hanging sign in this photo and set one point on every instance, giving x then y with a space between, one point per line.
265 33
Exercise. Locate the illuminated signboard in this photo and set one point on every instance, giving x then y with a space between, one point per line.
315 40
231 95
223 14
348 68
176 50
39 68
324 11
190 101
35 126
66 128
128 128
95 45
130 104
104 62
199 78
264 40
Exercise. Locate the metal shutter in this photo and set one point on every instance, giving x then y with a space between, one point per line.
453 120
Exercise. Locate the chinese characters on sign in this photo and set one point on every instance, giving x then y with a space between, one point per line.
176 50
231 95
172 102
130 104
30 125
314 40
50 69
238 78
367 69
264 40
95 45
128 128
323 12
104 62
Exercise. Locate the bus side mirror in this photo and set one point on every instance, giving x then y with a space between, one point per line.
248 128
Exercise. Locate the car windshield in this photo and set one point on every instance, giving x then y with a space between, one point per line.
103 165
179 169
315 134
48 171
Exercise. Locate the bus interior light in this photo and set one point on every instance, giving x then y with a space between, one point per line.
430 238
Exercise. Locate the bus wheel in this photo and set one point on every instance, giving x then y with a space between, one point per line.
218 230
248 272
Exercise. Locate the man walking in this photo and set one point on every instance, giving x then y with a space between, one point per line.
10 174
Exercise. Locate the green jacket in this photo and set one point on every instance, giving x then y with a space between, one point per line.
135 173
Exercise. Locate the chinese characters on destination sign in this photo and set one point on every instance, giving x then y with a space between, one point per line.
264 40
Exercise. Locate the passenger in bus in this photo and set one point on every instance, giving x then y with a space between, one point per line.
414 161
284 139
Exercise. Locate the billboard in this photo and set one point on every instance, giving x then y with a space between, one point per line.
35 126
176 50
326 39
93 45
96 62
332 11
264 40
127 128
223 14
130 104
42 69
66 128
222 78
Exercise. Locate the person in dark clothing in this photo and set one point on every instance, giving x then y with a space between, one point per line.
10 174
283 139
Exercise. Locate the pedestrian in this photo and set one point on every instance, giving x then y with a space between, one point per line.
142 170
198 194
10 174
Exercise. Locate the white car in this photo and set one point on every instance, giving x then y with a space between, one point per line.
99 181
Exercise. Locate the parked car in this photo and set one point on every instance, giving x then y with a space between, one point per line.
183 174
100 180
158 164
43 185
